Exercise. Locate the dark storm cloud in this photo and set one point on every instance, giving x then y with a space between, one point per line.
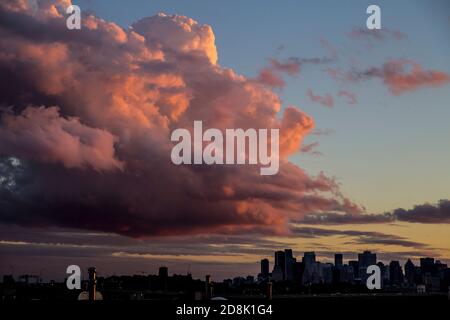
358 237
424 213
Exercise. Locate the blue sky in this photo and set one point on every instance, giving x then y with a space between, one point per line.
387 151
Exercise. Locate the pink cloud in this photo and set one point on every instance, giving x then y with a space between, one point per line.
118 96
401 76
291 66
351 97
399 80
41 134
271 75
334 73
269 78
326 100
295 125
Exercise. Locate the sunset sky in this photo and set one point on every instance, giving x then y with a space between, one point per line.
86 117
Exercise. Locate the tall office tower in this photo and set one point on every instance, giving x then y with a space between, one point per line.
163 272
309 263
299 268
427 265
347 275
409 271
309 258
355 266
326 273
279 267
439 265
365 259
338 274
338 260
208 287
395 273
289 261
163 275
384 273
265 268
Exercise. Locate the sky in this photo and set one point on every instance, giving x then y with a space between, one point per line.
363 118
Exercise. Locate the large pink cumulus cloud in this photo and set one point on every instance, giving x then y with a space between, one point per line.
85 135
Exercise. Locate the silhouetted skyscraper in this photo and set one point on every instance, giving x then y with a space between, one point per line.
309 258
299 268
208 287
384 273
365 259
355 266
265 268
395 273
427 265
163 275
280 265
289 261
338 260
310 271
163 272
409 271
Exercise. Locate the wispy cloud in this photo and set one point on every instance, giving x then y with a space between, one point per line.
401 76
326 100
357 237
379 35
425 213
351 97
